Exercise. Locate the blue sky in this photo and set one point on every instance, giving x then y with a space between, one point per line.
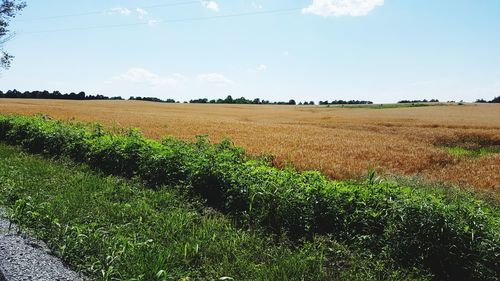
376 50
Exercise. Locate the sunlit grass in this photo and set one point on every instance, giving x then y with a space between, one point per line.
473 153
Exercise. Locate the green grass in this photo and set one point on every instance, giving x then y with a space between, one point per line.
115 229
460 151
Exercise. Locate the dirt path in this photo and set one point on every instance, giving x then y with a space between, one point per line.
25 258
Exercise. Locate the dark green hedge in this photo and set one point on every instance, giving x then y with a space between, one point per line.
454 237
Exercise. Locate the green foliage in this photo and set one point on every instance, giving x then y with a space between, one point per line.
113 229
454 238
473 153
8 11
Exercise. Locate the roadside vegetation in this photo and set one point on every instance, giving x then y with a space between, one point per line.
450 234
109 228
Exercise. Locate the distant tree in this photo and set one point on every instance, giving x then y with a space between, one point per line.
8 10
229 99
199 101
152 99
292 102
495 100
481 101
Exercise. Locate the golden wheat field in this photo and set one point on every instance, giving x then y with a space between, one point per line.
341 142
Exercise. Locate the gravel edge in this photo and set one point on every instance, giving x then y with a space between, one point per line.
25 258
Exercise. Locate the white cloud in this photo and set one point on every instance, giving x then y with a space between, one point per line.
259 68
141 13
144 76
215 78
211 5
262 67
353 8
179 77
153 22
121 11
256 5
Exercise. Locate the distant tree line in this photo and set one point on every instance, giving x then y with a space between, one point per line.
153 99
54 95
230 100
418 101
345 102
494 100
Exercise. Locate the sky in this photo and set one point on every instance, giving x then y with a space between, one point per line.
378 50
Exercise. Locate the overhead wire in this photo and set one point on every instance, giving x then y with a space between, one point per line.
277 11
105 11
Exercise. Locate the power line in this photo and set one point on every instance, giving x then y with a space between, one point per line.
106 11
236 15
167 21
84 28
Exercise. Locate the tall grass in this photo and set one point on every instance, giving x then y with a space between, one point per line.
454 238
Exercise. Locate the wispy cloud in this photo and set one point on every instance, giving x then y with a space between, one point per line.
144 76
144 15
259 68
153 22
257 5
141 13
215 78
211 5
327 8
262 67
121 11
139 75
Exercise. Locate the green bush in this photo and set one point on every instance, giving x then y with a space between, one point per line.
455 238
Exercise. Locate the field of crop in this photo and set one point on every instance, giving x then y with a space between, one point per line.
450 143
